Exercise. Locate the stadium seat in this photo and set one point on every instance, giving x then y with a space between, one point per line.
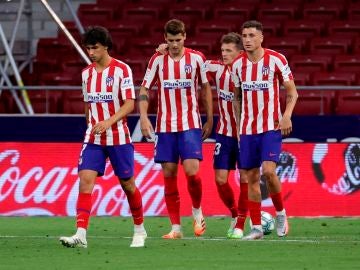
314 102
7 103
141 12
334 78
353 11
214 28
286 46
329 46
92 14
356 46
53 47
310 63
349 28
73 102
304 28
277 12
347 63
233 12
145 46
189 12
301 78
205 44
45 101
271 28
324 12
347 102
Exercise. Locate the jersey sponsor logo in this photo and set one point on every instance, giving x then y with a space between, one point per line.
255 86
109 81
226 95
265 70
100 97
127 83
188 69
176 84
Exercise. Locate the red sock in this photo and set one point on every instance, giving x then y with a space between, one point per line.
83 210
243 205
172 199
227 196
135 203
277 201
254 209
195 189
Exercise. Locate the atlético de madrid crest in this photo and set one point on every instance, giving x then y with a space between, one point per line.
265 70
109 81
188 68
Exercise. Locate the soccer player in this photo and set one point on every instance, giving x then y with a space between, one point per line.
178 124
109 97
226 152
259 72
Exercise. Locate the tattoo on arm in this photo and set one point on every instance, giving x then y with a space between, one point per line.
143 97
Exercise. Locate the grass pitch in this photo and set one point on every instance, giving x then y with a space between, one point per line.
32 243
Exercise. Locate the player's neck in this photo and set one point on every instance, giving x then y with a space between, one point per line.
256 55
178 56
103 63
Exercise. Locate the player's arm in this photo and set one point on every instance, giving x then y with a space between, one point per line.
291 97
206 97
237 107
145 124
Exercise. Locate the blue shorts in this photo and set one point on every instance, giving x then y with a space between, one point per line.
226 153
93 157
169 146
257 148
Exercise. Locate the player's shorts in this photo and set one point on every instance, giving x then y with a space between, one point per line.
226 152
257 148
93 157
169 146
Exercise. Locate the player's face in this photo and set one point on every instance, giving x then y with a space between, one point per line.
175 43
229 52
252 39
96 52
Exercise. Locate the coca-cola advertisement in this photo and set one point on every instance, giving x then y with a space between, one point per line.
41 179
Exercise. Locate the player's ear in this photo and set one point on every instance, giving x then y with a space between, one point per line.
184 36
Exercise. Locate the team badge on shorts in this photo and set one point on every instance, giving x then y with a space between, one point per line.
109 81
188 69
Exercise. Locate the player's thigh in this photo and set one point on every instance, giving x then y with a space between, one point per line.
190 144
226 153
249 147
122 160
166 147
92 157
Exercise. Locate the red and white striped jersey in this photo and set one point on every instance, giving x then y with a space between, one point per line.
260 84
177 81
225 90
104 93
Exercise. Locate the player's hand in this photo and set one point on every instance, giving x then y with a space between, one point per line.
146 127
285 126
163 48
100 127
206 130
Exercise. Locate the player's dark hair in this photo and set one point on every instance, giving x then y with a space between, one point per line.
252 24
234 38
97 34
174 27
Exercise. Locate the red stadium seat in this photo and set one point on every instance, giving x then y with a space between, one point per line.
214 28
347 63
233 11
314 102
7 103
347 102
190 12
356 47
310 63
304 28
334 78
329 46
145 46
92 14
73 102
348 26
353 11
205 44
301 78
277 12
324 12
286 46
141 12
45 101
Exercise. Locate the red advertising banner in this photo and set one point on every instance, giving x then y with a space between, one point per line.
41 179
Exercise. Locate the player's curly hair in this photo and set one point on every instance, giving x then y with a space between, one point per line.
97 34
174 27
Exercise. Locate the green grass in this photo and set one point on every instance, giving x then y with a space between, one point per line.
32 243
